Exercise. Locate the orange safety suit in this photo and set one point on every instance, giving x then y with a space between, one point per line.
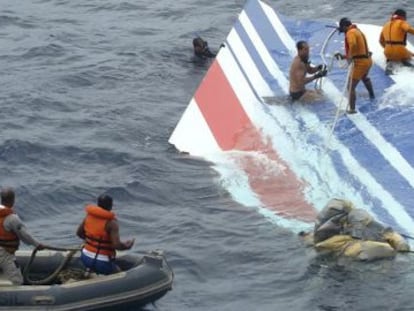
356 48
394 39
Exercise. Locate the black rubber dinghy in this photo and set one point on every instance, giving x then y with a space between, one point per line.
58 281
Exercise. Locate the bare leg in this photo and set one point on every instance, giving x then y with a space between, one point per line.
311 96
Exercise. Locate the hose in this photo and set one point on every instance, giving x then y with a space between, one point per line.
49 279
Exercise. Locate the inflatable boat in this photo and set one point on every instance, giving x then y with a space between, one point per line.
58 281
288 159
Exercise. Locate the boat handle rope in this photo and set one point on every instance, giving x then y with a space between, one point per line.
49 279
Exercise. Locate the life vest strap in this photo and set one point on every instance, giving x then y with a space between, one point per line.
100 246
10 246
395 42
99 243
360 56
9 243
97 240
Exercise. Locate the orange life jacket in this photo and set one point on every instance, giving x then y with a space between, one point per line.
394 39
97 240
355 43
8 240
394 32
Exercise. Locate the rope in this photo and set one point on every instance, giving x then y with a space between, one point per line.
338 110
49 279
407 236
316 127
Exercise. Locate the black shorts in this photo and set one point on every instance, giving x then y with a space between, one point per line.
297 95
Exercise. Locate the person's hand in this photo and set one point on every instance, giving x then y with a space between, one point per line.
128 244
339 56
321 67
321 73
40 246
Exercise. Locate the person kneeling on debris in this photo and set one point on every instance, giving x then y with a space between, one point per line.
347 231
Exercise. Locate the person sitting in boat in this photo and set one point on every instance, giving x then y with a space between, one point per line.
298 78
357 53
393 39
201 49
12 231
100 230
343 230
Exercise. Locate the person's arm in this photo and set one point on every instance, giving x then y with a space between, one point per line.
407 28
208 53
382 39
14 223
113 230
310 69
81 231
298 74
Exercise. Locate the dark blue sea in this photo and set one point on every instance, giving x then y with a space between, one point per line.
90 93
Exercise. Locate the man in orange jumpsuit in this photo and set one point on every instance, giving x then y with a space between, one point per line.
356 52
393 39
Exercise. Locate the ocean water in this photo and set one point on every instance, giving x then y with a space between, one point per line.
90 93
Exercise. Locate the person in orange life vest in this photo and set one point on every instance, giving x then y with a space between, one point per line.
393 39
356 51
12 231
100 230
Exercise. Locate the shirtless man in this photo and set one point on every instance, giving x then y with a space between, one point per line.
299 68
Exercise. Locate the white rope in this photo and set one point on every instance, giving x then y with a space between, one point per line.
326 148
345 93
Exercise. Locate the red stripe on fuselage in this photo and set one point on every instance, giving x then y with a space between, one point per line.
232 128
